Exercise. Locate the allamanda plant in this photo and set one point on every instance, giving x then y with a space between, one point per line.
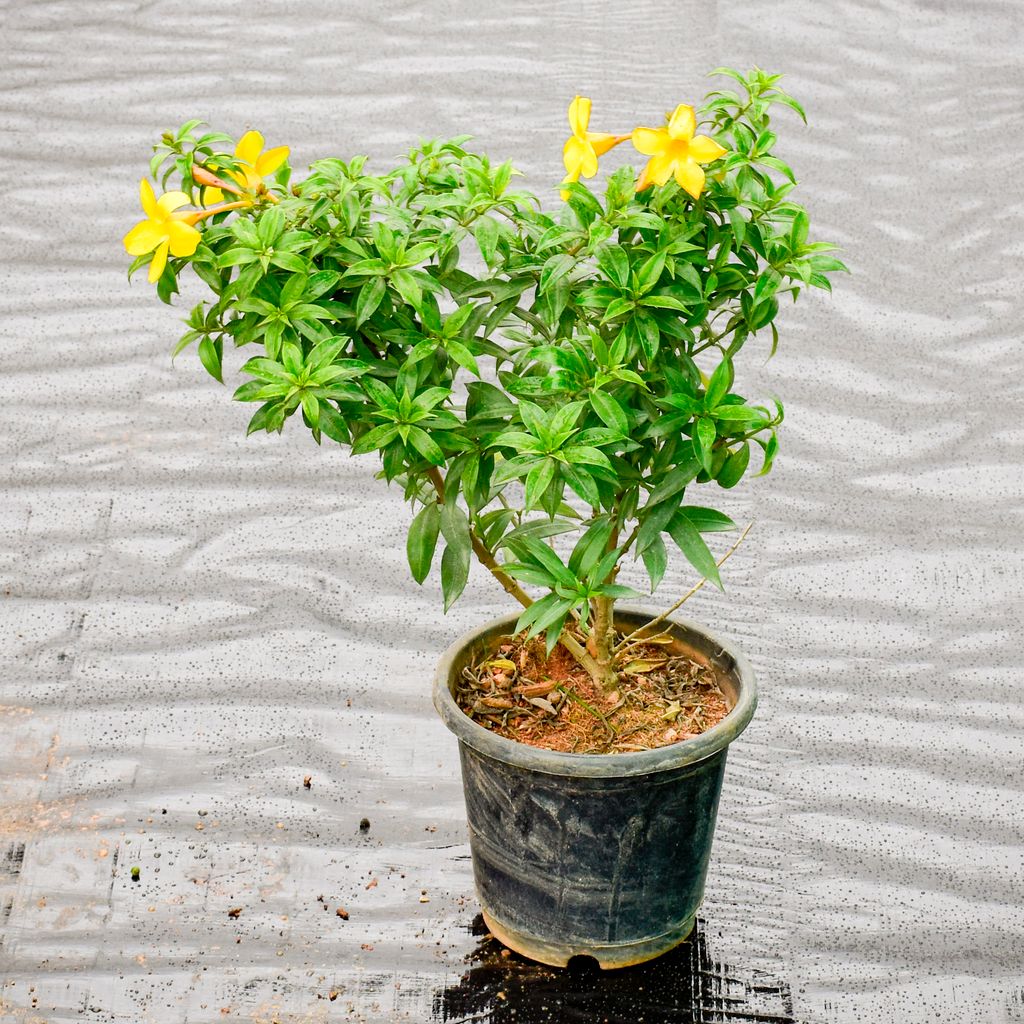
523 374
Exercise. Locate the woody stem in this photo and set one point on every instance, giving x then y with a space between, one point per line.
487 559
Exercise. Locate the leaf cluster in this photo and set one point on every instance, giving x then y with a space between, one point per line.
523 374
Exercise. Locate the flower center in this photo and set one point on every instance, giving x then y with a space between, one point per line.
679 149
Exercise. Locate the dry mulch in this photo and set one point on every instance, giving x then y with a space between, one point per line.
518 692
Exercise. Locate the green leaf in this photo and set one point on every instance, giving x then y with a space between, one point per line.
718 386
294 290
454 575
562 424
739 226
617 308
730 73
828 264
529 574
426 446
486 231
289 261
457 553
734 467
583 484
538 528
798 235
537 481
422 540
311 408
650 273
655 557
739 414
610 412
487 402
696 552
585 455
612 259
703 438
649 333
793 104
777 165
272 338
665 302
541 613
374 439
674 481
462 355
381 394
333 425
210 356
546 558
600 572
407 286
455 526
770 450
236 258
320 283
533 418
590 547
707 520
554 270
369 299
167 286
513 469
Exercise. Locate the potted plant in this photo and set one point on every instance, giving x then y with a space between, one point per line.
548 389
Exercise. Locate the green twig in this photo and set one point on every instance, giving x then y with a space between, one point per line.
587 707
686 597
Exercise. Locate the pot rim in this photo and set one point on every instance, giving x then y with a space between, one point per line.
642 762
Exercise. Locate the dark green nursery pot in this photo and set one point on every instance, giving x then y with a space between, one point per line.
602 855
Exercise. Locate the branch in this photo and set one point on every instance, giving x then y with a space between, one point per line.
686 597
487 559
481 550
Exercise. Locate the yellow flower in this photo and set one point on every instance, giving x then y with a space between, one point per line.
582 148
256 165
163 229
674 149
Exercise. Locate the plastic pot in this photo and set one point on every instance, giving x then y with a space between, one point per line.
600 855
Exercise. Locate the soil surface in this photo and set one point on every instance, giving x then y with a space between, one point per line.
663 697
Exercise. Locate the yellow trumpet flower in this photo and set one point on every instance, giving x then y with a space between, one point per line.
163 229
674 149
583 147
256 165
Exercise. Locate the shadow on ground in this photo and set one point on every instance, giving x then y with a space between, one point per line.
685 986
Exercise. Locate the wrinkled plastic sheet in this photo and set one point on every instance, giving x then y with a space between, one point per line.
193 621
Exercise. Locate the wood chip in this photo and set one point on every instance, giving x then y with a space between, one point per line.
501 703
536 689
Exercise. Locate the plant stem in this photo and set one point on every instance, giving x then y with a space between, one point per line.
486 558
601 642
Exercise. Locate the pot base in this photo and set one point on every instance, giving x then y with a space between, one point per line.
608 957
